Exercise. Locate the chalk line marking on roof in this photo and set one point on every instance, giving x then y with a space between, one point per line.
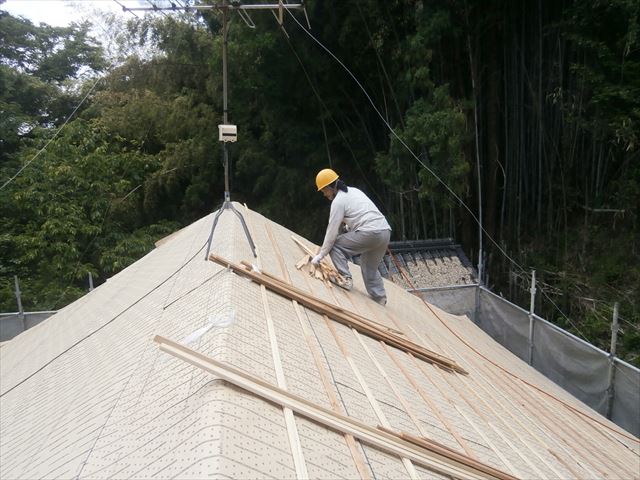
339 315
477 381
534 429
467 425
155 432
446 425
391 385
427 453
560 425
491 444
337 384
423 394
314 437
394 390
568 428
405 404
333 400
573 430
371 397
475 440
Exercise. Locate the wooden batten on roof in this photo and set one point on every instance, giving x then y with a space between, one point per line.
340 315
88 394
420 451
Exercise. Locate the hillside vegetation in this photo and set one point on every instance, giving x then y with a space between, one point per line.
537 102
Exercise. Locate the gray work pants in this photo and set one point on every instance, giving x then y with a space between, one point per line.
371 246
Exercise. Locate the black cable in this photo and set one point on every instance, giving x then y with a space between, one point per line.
105 216
404 144
107 323
95 84
326 109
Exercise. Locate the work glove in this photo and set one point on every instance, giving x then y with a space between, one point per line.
316 259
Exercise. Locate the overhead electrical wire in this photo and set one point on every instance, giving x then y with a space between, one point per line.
384 120
500 367
402 142
417 158
326 109
461 202
563 314
570 407
108 322
69 117
113 201
95 84
185 263
105 216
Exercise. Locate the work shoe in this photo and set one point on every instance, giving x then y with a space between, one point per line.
380 300
347 284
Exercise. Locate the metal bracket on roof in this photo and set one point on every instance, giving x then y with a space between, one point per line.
227 205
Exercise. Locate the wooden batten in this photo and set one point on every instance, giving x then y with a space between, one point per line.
340 315
420 451
444 450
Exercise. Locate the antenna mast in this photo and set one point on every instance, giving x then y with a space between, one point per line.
226 132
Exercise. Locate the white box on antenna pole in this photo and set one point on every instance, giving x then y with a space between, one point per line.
227 133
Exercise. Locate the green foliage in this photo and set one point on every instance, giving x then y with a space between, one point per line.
607 34
434 127
553 88
36 64
52 54
81 210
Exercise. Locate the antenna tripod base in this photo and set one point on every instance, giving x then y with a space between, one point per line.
227 205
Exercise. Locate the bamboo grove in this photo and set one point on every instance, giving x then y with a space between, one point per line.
535 103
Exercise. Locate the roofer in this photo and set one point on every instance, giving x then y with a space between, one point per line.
368 233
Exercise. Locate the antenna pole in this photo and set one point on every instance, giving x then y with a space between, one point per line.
225 7
226 204
225 105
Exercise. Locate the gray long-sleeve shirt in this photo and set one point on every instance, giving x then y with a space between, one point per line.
358 212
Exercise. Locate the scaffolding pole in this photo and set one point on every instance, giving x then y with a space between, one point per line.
532 304
612 361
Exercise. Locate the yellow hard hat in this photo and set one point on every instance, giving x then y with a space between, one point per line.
325 177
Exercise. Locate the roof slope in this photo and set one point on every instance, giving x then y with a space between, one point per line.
88 394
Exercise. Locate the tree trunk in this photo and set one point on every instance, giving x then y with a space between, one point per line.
493 146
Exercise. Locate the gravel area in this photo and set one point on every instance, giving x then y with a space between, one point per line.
434 268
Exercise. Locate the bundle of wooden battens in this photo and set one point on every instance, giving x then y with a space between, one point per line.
359 323
324 270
